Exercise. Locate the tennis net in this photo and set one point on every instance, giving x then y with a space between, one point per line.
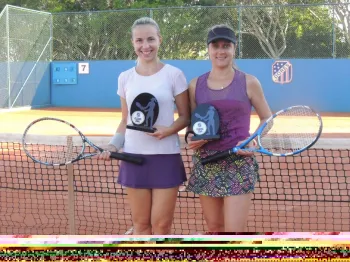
303 193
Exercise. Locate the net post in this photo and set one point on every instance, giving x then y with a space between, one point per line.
71 195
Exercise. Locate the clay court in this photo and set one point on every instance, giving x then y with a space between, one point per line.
67 60
307 192
103 122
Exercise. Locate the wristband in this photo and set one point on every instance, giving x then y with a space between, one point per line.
117 140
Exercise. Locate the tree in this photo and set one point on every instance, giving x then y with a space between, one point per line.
269 25
273 30
287 30
310 32
342 13
94 36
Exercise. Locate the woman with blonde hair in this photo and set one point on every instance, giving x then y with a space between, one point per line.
152 188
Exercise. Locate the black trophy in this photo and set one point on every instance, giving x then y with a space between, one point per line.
205 123
144 112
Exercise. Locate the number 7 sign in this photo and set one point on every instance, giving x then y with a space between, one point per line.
84 68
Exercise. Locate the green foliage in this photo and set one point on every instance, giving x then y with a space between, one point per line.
82 35
313 36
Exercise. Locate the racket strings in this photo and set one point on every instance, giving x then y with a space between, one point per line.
62 144
52 154
291 130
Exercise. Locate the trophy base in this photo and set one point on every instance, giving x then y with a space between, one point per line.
204 137
142 128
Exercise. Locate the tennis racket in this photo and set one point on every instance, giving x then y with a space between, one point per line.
198 116
139 105
275 137
60 150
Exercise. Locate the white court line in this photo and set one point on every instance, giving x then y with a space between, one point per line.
25 108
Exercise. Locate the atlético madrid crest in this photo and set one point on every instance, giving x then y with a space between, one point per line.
282 72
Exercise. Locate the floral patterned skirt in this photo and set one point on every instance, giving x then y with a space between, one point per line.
233 175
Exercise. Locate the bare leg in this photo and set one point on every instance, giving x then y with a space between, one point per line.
140 201
163 207
236 212
213 210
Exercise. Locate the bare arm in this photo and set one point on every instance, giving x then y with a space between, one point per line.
122 125
183 109
257 98
192 94
258 101
192 97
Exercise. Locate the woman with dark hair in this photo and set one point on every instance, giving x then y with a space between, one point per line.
225 187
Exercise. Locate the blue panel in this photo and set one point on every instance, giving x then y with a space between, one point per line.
64 74
323 84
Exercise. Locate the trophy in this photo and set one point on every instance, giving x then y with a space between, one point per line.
144 112
205 123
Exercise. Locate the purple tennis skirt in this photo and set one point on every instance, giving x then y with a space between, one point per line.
157 171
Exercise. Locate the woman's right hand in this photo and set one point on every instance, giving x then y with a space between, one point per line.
105 155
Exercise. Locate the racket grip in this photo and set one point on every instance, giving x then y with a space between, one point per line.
215 157
128 158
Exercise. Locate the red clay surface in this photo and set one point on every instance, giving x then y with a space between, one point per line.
308 192
103 122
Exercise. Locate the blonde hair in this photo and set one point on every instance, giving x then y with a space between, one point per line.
235 44
145 21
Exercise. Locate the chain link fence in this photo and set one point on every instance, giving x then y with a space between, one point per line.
30 40
278 31
3 59
25 54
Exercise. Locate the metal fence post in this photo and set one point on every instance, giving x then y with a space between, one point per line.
240 32
51 37
334 40
8 55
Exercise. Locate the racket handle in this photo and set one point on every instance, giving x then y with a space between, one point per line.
128 158
215 157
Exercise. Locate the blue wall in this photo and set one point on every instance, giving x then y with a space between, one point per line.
323 84
37 91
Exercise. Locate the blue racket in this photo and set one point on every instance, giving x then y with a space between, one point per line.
273 137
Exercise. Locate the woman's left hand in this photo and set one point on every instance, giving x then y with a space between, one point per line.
161 132
251 144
